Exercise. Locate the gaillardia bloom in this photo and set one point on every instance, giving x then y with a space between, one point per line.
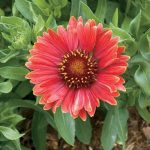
77 67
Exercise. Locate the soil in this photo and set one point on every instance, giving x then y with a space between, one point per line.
138 135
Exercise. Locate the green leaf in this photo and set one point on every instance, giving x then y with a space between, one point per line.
144 5
144 113
75 8
115 18
13 21
131 47
1 12
109 131
11 145
128 6
133 96
5 87
39 26
51 22
10 133
125 39
24 89
142 79
28 9
144 45
111 7
115 125
121 33
65 125
15 73
135 25
29 104
39 131
16 144
83 130
101 10
12 119
7 54
144 100
43 5
121 117
141 76
15 30
125 23
87 12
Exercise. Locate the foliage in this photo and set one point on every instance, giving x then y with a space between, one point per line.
19 29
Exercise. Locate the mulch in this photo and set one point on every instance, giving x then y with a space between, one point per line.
138 134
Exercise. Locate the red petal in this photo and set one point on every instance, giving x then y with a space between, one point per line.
68 100
57 42
86 35
83 115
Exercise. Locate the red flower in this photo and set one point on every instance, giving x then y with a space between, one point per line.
77 67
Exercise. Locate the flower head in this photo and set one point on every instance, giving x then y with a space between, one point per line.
77 67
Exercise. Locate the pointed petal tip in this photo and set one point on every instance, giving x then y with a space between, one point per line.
123 89
113 103
72 18
80 19
46 107
27 76
63 110
83 118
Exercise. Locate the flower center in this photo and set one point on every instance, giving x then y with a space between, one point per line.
78 69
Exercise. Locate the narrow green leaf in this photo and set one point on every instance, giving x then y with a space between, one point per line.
10 133
128 6
87 12
5 87
111 7
39 131
135 25
39 26
65 125
51 22
83 130
115 18
109 131
101 10
16 73
2 13
75 8
126 23
121 117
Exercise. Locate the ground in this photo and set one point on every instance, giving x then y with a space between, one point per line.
138 135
